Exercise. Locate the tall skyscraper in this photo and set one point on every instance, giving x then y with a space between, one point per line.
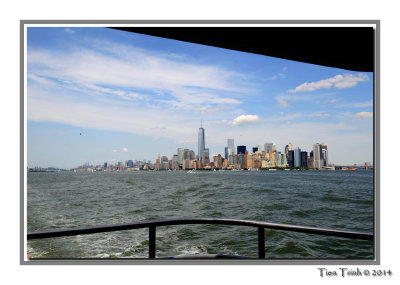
180 155
241 149
317 155
297 157
201 142
290 158
304 162
231 147
324 154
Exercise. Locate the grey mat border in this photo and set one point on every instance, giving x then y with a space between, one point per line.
376 131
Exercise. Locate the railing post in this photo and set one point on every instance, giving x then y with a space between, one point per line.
152 242
261 243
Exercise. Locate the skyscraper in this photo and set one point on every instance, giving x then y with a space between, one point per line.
290 158
304 162
268 147
231 147
201 142
297 157
241 149
317 155
324 154
180 155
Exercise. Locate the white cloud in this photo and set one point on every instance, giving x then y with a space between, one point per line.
338 81
178 84
320 115
69 31
243 119
124 149
365 115
283 103
114 150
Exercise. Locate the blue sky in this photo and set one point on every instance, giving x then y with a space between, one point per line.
134 96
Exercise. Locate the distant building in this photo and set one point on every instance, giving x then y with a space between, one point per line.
218 161
268 147
297 157
129 163
201 142
290 158
304 162
206 157
231 146
174 162
317 156
287 148
180 155
324 154
188 154
241 149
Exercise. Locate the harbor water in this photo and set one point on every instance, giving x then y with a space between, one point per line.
341 200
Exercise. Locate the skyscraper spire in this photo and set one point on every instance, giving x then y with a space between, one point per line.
201 141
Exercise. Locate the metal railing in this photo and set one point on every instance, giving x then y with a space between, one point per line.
152 225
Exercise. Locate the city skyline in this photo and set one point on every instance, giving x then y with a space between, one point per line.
95 94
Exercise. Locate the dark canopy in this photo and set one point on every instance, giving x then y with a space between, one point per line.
349 48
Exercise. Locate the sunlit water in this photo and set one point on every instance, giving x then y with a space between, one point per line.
341 200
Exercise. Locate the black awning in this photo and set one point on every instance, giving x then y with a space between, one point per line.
349 48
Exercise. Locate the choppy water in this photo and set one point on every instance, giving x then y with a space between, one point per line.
340 200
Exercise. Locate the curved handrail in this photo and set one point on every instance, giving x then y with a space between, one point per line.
170 222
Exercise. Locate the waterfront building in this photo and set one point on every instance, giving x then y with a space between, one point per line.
174 162
206 157
240 162
105 165
255 149
287 148
230 159
218 161
231 147
186 164
180 155
317 156
297 157
201 142
324 148
164 163
282 160
250 160
188 154
303 159
241 149
268 147
290 158
129 163
225 163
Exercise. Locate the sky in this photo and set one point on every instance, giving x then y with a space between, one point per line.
98 95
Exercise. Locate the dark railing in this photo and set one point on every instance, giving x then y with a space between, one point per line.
152 225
